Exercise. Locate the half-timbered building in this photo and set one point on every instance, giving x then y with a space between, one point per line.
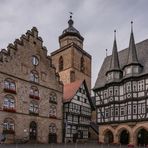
73 63
77 112
121 92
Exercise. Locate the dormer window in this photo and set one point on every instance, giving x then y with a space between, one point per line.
128 70
35 61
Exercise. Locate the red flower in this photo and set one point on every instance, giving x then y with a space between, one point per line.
10 90
34 97
9 109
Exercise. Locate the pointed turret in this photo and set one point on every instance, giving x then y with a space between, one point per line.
132 53
114 65
114 71
132 67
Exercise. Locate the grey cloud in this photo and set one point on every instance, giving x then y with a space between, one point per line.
95 19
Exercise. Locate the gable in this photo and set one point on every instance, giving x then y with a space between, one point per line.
142 53
17 60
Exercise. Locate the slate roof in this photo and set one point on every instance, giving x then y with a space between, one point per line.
114 64
142 54
71 31
132 55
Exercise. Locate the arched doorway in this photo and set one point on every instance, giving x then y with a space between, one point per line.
33 131
124 137
142 137
52 133
108 137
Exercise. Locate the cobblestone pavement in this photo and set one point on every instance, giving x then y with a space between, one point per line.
86 145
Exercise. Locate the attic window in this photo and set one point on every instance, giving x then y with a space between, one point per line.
35 60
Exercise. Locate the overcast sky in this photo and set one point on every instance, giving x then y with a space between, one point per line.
95 20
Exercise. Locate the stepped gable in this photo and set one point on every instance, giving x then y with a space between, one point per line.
30 36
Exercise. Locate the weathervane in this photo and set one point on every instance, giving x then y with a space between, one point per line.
131 26
106 52
71 13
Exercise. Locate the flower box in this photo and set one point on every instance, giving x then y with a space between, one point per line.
54 117
12 110
10 90
34 97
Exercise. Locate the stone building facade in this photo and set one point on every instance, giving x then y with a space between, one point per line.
121 92
30 92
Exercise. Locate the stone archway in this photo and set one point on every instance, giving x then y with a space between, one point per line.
124 137
142 137
108 137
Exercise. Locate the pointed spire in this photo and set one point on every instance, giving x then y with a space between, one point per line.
114 65
132 53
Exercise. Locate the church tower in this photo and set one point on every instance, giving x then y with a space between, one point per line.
71 61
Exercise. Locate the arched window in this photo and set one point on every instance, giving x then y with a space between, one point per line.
35 60
33 131
61 63
34 92
34 108
8 126
52 111
72 76
52 128
53 97
34 76
9 85
82 66
9 103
